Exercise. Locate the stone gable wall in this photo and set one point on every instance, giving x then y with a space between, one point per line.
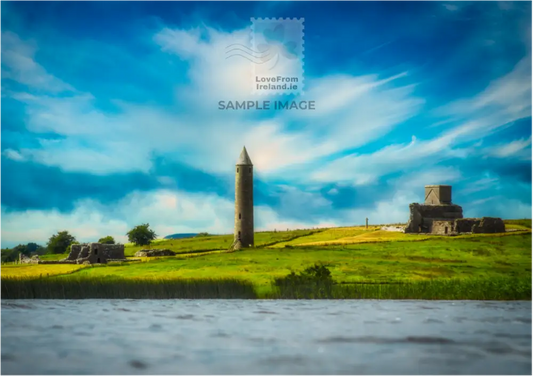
94 253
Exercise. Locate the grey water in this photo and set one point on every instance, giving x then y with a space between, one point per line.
265 337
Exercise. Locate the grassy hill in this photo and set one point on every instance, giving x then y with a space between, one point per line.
217 242
354 255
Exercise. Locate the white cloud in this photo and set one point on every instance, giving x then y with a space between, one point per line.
167 212
362 169
20 66
451 7
170 212
415 181
485 184
214 77
505 5
350 112
13 155
516 149
500 206
505 100
269 220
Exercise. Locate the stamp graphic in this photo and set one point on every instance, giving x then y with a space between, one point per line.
276 55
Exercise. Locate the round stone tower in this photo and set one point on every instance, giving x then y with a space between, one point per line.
244 201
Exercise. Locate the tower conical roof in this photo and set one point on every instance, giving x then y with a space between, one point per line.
244 158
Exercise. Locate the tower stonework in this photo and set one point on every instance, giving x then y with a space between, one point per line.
244 201
438 195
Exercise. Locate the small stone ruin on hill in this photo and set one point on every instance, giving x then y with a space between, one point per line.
439 216
91 253
155 253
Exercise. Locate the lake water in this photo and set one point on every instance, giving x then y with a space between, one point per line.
265 337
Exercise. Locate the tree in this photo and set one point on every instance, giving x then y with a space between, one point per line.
34 249
141 235
21 248
59 242
29 249
10 255
107 240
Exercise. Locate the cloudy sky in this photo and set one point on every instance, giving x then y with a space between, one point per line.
110 116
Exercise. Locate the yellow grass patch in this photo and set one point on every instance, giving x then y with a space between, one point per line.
328 235
377 236
370 237
36 270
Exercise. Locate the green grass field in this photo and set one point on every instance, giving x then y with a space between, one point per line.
354 255
217 242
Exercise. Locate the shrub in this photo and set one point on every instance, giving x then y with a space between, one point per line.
106 240
314 282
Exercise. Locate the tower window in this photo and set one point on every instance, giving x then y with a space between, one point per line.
239 215
96 251
237 169
250 169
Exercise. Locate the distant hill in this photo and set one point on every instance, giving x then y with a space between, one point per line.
180 236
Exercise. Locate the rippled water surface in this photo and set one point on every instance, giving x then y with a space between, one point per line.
265 337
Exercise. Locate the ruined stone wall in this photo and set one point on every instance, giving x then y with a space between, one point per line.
489 225
94 253
441 211
97 253
414 225
466 224
485 225
113 251
440 226
422 216
29 260
75 250
443 227
84 251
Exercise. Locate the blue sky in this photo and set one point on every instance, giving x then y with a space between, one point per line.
110 117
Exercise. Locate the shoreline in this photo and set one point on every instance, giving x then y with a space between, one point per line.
75 287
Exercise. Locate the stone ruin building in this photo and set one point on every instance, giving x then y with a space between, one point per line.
91 253
438 215
96 253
